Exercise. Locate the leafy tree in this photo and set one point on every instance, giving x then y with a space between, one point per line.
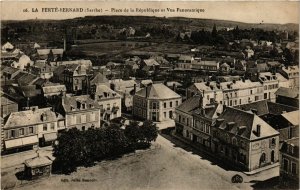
149 131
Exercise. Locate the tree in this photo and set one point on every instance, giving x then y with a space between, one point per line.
149 131
214 31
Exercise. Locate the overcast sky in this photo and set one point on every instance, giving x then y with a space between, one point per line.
250 12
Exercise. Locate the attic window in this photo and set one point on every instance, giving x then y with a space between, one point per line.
83 106
43 117
72 108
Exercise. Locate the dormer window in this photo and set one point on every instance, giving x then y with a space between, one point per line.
43 117
72 108
83 106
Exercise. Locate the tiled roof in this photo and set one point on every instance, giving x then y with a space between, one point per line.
189 105
70 103
29 117
292 117
150 62
157 91
287 92
246 119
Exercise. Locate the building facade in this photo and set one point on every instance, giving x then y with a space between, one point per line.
156 102
80 112
244 140
108 100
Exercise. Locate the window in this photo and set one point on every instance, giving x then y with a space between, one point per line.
12 133
45 127
165 105
83 118
83 106
294 168
76 87
207 128
30 130
52 126
179 118
165 115
176 103
273 141
108 107
285 165
171 104
251 91
207 97
187 122
83 128
21 131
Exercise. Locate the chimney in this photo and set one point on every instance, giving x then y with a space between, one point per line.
134 88
254 111
200 101
258 130
229 125
174 87
147 91
241 129
219 121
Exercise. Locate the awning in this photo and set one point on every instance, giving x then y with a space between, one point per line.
50 137
21 142
13 143
30 140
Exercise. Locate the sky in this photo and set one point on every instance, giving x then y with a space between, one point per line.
250 12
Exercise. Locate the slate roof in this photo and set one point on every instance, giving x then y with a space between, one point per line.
29 117
287 92
98 78
189 105
70 103
264 107
157 91
105 92
10 70
247 119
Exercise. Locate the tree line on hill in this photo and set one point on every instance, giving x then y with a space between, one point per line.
83 148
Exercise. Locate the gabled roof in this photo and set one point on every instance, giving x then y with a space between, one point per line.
157 91
246 119
150 62
287 92
292 117
189 105
7 45
29 117
98 78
